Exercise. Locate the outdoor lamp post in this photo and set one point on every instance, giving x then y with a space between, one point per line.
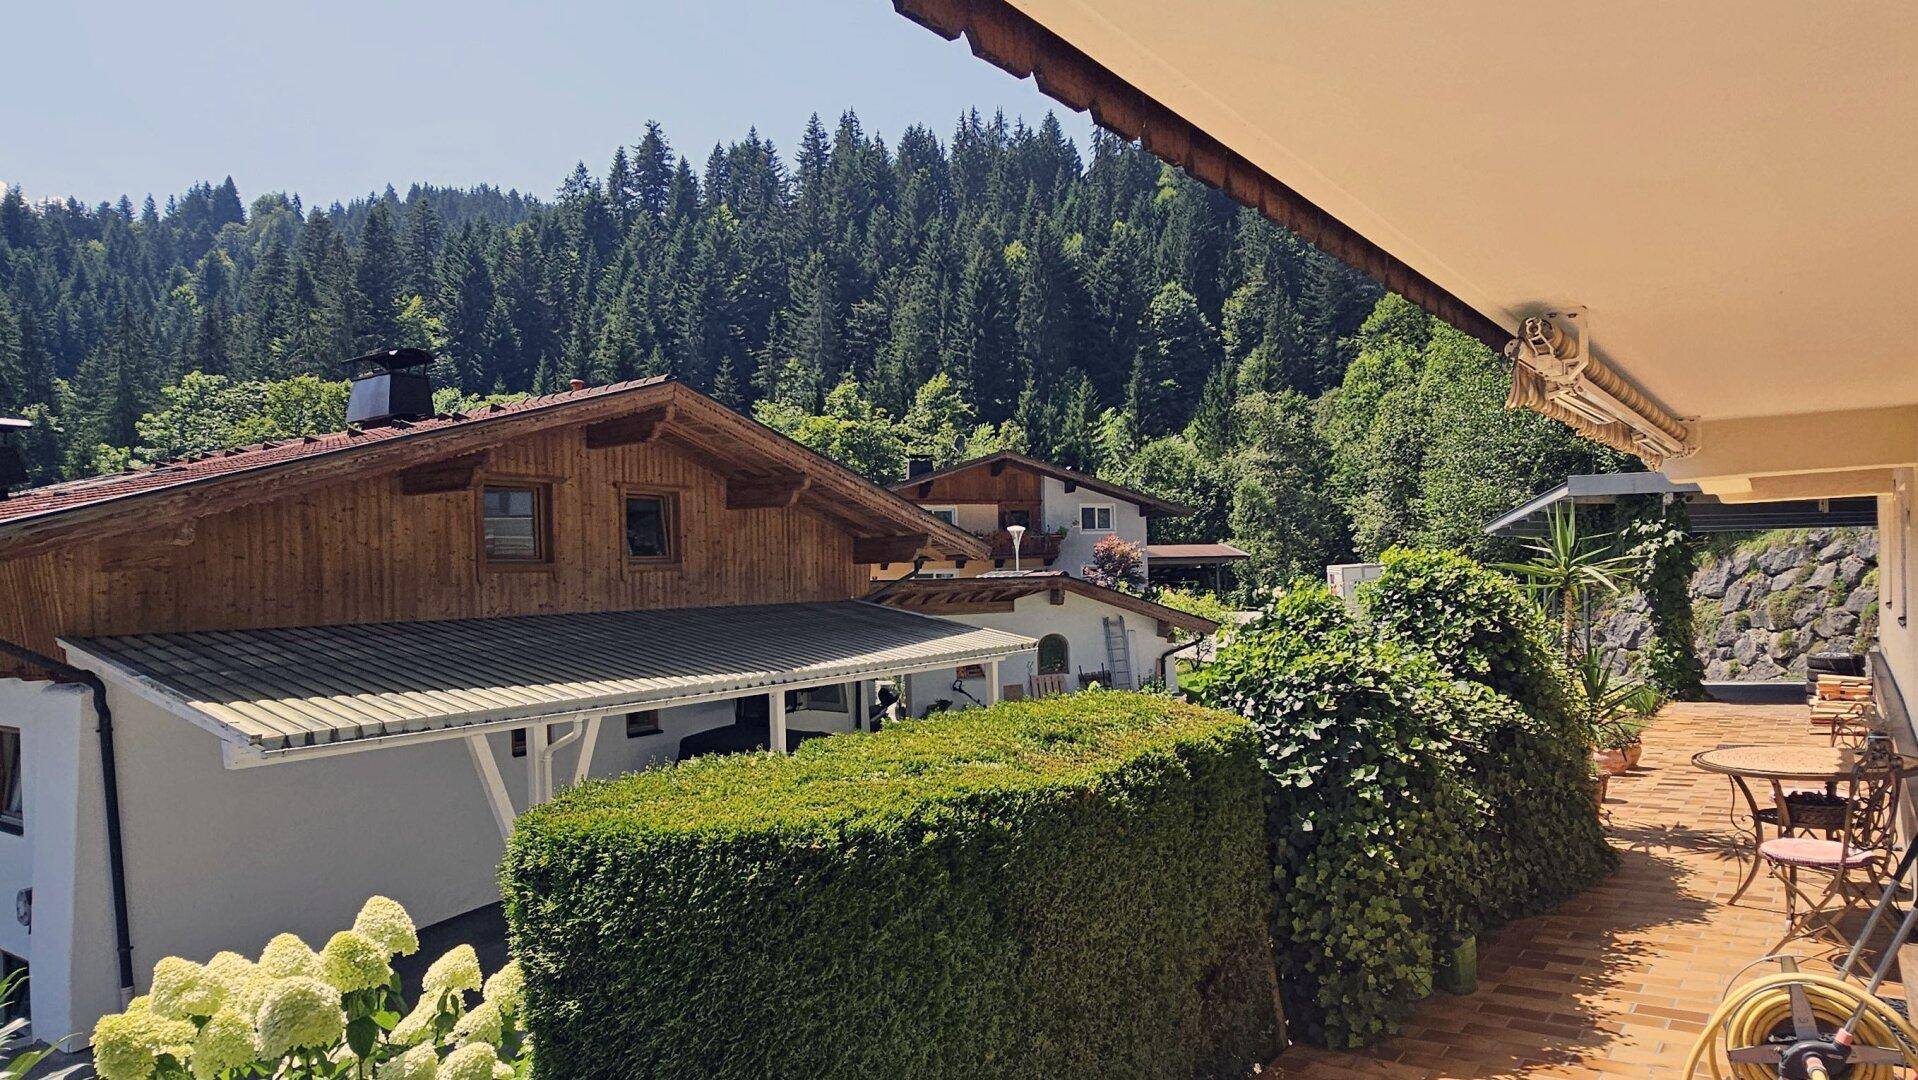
1018 533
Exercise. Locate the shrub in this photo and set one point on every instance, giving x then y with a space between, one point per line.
1064 888
335 1012
1426 777
1547 843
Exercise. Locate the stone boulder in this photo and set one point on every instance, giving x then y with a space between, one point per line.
1712 581
1861 598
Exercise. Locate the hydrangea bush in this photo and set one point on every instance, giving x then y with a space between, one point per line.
338 1012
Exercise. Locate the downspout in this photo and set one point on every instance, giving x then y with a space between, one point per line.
1165 658
110 782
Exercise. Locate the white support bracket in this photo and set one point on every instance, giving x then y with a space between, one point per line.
584 767
492 783
776 720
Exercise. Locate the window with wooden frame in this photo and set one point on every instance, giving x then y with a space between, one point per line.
947 514
516 523
651 524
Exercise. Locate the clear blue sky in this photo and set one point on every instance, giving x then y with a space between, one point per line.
332 100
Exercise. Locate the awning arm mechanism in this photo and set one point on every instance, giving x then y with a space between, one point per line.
1554 372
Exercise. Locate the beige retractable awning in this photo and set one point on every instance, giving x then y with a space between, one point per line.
280 690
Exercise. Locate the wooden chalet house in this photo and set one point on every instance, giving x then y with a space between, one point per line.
1064 513
252 688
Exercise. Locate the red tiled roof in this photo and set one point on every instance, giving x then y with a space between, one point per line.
53 498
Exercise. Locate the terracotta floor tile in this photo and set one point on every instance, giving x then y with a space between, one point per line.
1617 982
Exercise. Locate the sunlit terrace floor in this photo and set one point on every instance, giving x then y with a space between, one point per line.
1619 980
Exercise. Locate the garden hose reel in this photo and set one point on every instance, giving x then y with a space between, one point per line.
1799 1025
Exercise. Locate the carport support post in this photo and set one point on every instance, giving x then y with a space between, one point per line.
776 720
992 682
859 705
538 765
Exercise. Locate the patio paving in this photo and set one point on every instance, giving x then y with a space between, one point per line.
1618 980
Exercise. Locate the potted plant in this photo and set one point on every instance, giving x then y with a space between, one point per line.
1609 705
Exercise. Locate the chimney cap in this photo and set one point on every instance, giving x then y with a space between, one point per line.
8 423
391 360
577 384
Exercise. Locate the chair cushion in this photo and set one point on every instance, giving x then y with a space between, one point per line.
1811 851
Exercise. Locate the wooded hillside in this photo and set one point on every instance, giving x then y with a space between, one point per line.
996 289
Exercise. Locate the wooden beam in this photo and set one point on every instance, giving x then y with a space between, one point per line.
435 477
880 549
774 491
635 430
966 607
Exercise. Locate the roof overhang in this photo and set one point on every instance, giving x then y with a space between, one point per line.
1720 188
921 486
1709 514
295 693
1184 555
762 469
1000 591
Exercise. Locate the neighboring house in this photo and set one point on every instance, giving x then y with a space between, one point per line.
338 666
1064 512
1087 633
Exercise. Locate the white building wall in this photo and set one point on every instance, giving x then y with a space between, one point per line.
1060 510
1897 631
1077 620
223 858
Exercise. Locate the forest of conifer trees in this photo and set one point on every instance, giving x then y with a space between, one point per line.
995 289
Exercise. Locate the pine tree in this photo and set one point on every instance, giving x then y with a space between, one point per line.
421 251
653 172
1178 350
379 275
112 388
13 388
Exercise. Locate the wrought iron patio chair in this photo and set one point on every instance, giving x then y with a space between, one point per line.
1860 838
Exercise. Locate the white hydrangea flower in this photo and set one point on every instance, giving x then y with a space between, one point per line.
232 969
287 956
226 1041
419 1063
458 970
474 1061
352 961
483 1024
507 987
251 994
126 1045
183 989
300 1012
386 922
415 1026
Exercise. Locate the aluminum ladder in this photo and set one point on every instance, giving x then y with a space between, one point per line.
1118 652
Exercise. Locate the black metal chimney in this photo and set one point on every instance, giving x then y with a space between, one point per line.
13 467
389 386
917 466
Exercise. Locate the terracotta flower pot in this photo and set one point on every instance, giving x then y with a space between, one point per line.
1632 753
1609 762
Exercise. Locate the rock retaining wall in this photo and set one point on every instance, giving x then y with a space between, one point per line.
1761 606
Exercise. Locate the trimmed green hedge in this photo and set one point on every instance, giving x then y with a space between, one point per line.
1069 888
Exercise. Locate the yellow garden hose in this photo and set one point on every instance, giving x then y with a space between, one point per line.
1750 1013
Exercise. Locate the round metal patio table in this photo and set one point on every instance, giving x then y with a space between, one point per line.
1778 764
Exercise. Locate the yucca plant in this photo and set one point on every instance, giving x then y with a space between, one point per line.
1567 572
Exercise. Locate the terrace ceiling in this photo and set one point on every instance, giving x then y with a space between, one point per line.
1727 188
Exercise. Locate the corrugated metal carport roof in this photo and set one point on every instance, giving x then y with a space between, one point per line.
284 689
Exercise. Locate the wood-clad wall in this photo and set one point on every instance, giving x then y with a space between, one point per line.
360 551
978 485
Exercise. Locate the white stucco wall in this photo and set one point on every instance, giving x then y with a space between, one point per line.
223 858
1061 511
1077 620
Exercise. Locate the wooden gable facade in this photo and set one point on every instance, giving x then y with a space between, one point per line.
387 535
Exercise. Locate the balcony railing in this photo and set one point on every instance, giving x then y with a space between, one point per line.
1038 548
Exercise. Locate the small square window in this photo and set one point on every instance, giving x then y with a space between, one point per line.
947 514
649 527
1095 518
512 523
640 724
519 742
